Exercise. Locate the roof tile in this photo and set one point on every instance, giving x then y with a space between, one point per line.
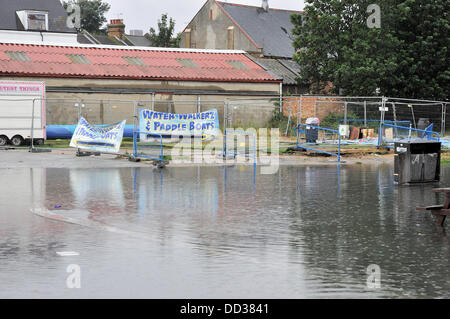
51 61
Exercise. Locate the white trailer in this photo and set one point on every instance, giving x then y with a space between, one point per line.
17 101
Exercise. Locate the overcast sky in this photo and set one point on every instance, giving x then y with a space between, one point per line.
143 14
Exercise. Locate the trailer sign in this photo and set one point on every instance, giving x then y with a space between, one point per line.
18 122
21 89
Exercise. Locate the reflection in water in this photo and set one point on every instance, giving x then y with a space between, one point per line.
223 232
99 189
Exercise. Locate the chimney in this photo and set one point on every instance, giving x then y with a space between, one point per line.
116 28
137 32
265 5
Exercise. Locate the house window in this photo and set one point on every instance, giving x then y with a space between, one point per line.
37 21
78 58
34 20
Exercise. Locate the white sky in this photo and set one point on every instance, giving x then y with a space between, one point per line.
143 14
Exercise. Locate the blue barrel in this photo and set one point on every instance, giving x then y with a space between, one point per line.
62 132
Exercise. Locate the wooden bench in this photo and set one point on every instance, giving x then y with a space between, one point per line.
440 211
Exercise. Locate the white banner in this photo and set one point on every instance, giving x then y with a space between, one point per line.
105 138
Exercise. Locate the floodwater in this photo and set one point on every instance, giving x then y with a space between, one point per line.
219 232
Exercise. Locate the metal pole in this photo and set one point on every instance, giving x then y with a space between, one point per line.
79 117
281 97
412 113
395 111
289 122
135 130
32 127
199 106
225 120
299 110
380 131
153 101
443 121
445 115
395 117
225 114
339 150
225 144
345 112
79 110
365 113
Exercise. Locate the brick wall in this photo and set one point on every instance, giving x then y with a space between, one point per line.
311 107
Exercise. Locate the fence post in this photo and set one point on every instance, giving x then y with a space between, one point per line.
299 110
413 116
32 127
153 101
281 97
345 112
225 114
225 143
395 116
225 123
339 148
102 112
135 129
365 113
395 111
79 117
289 122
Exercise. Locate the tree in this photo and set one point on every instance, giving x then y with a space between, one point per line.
408 56
92 14
164 37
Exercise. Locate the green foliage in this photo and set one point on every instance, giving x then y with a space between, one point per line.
332 120
92 14
407 57
164 36
281 121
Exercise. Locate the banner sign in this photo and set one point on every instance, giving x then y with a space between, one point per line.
105 138
204 124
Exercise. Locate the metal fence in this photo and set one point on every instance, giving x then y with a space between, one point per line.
289 111
284 113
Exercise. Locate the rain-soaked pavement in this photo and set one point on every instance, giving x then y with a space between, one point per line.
219 232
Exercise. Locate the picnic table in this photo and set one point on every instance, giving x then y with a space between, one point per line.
440 211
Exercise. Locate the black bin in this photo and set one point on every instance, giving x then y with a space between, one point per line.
417 162
312 134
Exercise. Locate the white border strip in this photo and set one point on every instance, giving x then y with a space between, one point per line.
119 47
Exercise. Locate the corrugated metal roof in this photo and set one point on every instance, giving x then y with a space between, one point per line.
161 64
278 67
270 30
138 40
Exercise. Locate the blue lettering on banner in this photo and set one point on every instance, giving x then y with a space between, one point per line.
106 138
168 124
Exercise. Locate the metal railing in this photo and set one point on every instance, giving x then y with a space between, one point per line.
318 128
427 134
